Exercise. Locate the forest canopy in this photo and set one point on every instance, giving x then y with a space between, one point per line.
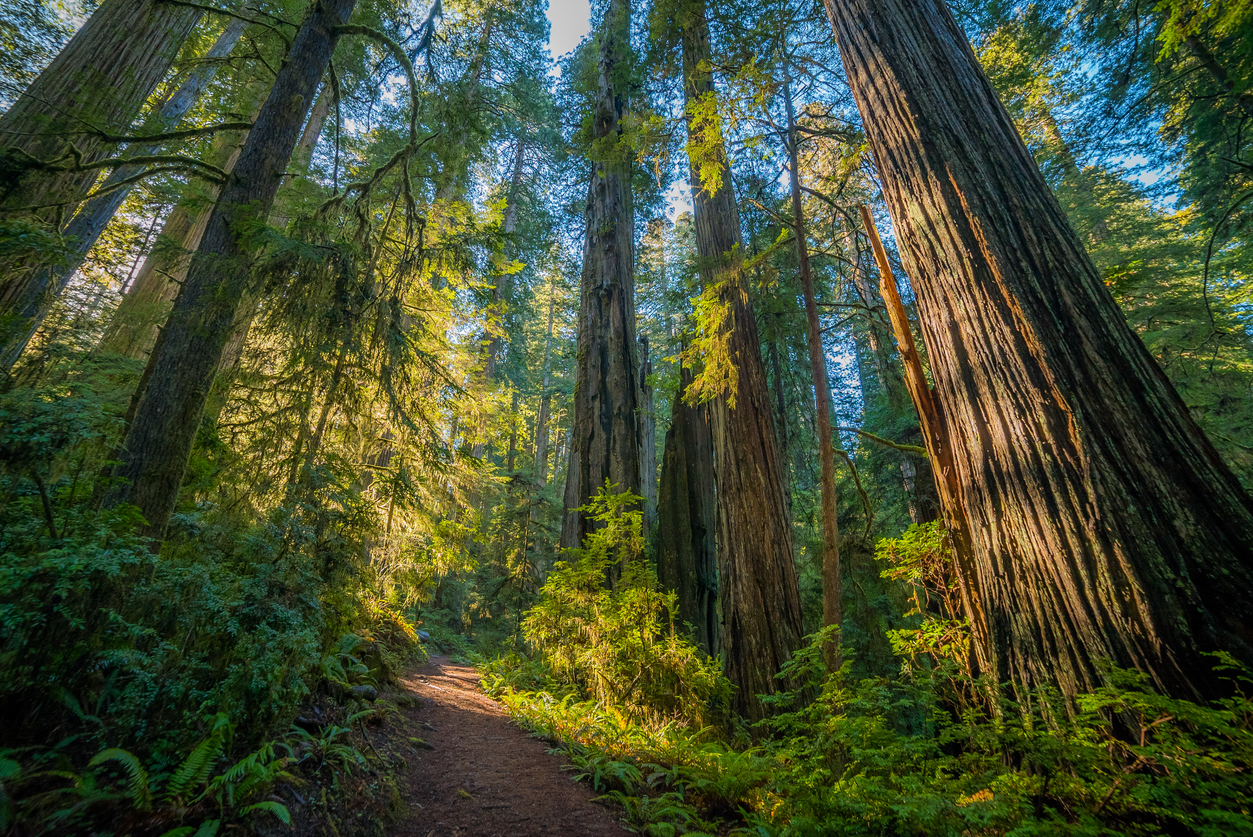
816 418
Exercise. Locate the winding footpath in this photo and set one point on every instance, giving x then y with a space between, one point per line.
484 776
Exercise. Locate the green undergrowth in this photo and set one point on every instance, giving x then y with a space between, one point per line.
224 684
887 757
925 753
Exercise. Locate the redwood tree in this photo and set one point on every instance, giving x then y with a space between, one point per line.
761 613
49 139
687 561
1092 519
605 425
181 368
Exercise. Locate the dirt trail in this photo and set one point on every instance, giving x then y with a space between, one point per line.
485 777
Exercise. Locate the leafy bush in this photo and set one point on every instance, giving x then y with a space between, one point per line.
603 624
886 756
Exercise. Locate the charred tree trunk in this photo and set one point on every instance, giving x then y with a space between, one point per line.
831 584
181 369
1091 517
760 601
605 441
687 561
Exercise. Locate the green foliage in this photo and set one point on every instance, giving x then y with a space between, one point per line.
603 625
891 757
922 559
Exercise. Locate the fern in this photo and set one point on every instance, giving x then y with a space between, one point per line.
195 769
278 809
138 784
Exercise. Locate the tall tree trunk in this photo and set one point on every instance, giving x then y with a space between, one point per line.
181 369
545 397
761 611
605 442
831 585
48 282
917 479
500 282
1091 518
99 82
687 519
133 329
648 441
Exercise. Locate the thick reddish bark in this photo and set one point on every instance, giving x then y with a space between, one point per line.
605 440
1093 520
761 613
181 369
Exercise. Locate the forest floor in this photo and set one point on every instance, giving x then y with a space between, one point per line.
484 776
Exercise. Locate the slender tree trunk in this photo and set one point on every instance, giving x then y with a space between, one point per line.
687 562
761 613
917 480
500 282
831 585
133 329
181 368
1091 518
605 442
48 282
546 397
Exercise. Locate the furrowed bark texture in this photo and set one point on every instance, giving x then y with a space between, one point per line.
687 561
182 366
761 612
605 441
48 282
1093 519
99 81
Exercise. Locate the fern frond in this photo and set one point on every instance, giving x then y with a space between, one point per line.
278 809
195 769
138 784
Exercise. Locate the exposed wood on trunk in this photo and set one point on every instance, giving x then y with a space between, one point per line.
760 601
1092 519
605 441
182 366
687 561
831 585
